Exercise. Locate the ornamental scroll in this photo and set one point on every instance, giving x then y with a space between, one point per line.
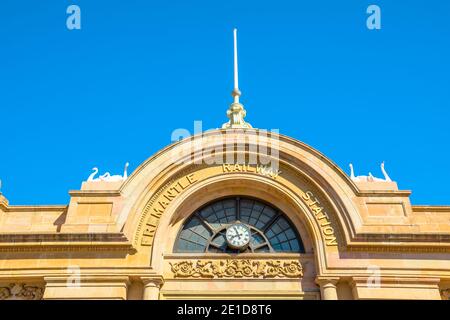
237 269
20 291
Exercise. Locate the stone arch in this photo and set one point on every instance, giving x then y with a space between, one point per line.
212 187
301 163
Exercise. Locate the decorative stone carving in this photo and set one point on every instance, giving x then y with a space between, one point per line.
445 294
21 291
237 268
158 204
107 177
370 177
236 114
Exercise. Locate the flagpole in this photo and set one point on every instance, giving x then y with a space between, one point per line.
236 92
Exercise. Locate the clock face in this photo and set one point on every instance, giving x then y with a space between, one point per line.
238 236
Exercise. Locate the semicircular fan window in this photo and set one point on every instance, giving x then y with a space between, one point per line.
270 229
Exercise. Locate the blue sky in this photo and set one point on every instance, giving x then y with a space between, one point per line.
116 89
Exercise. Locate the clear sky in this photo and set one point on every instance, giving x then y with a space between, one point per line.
116 89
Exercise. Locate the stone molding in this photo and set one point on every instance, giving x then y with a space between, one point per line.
86 286
62 237
156 281
237 268
64 242
95 193
324 280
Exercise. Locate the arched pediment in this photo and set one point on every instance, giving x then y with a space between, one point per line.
185 175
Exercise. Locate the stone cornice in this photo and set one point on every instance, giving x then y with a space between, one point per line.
38 274
411 239
395 247
62 237
95 193
87 247
400 242
396 280
426 208
33 208
419 238
88 279
65 242
383 193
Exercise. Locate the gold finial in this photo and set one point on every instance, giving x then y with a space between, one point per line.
236 113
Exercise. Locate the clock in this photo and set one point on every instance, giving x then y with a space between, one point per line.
238 236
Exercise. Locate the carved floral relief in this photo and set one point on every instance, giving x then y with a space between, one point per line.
20 291
237 269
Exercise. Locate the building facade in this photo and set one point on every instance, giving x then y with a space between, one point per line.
233 213
217 216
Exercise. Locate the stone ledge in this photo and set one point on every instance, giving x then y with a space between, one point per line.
65 242
95 193
60 237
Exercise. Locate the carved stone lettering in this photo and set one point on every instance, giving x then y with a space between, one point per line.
260 169
321 216
160 204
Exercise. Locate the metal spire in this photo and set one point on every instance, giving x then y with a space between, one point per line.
236 93
236 112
